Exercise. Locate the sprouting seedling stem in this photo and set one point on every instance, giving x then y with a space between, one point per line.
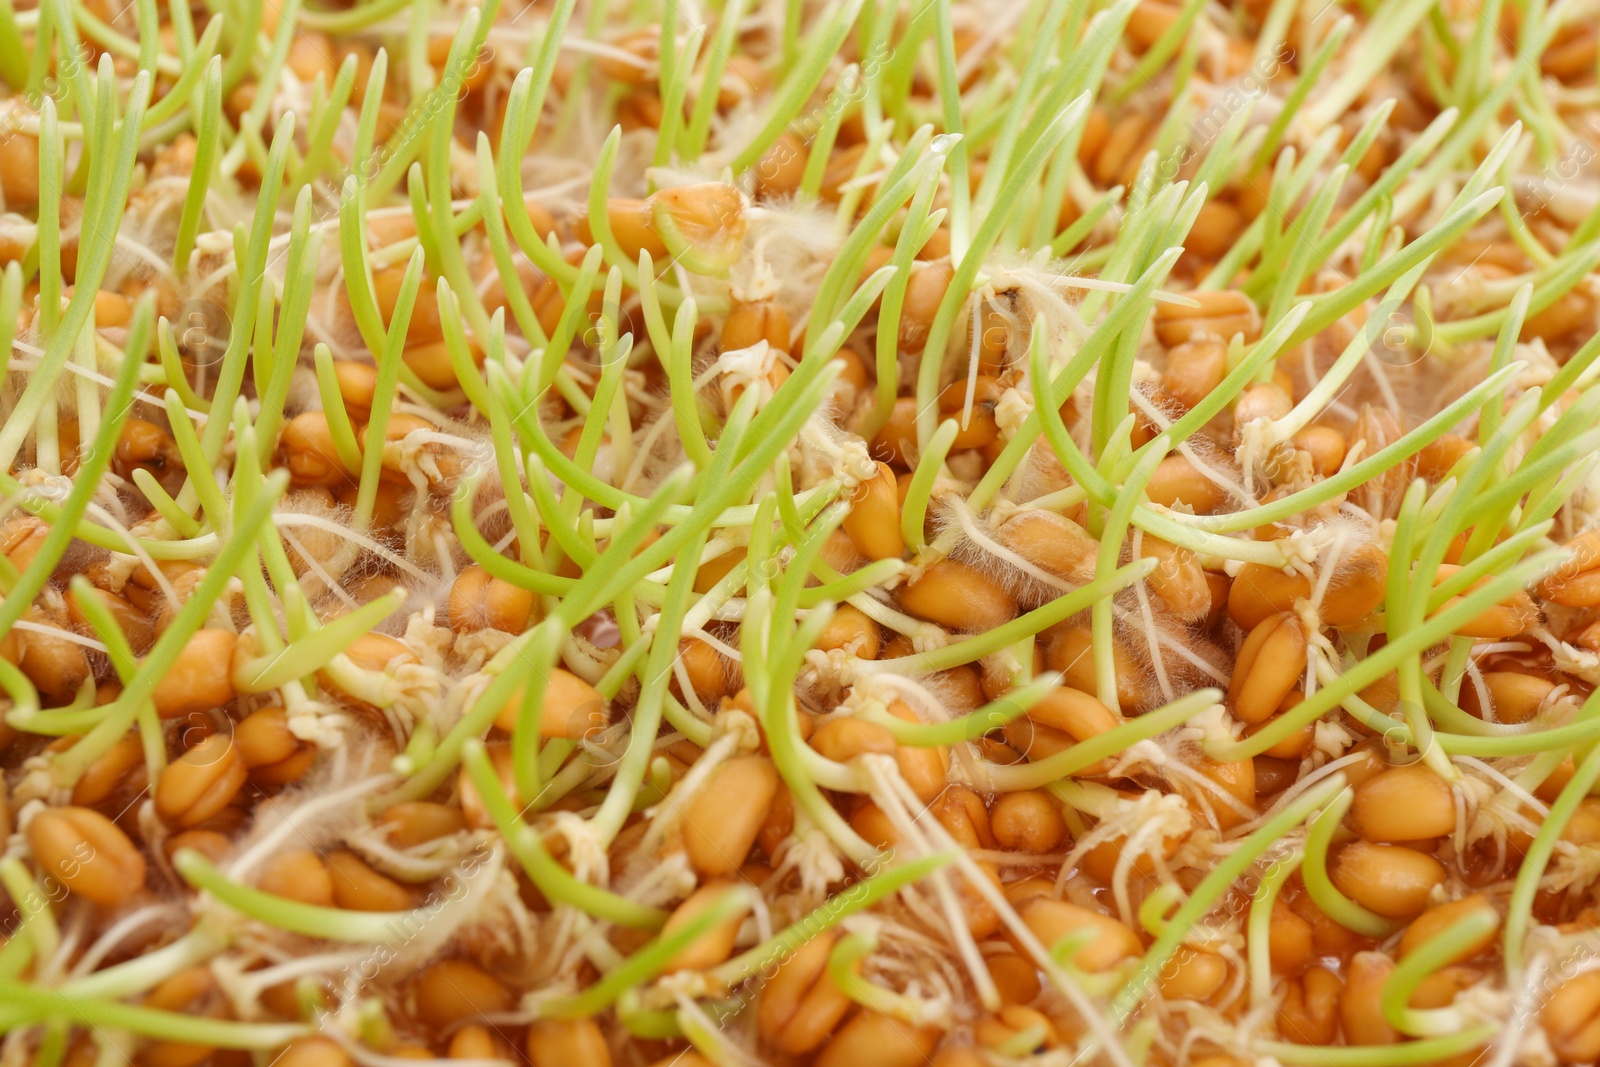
800 82
1112 534
563 536
1215 883
38 921
921 155
1012 704
674 86
1128 312
883 882
120 714
50 151
252 273
1420 1053
973 648
857 581
311 920
93 466
462 361
13 57
1259 927
1050 771
388 374
844 970
1386 659
515 134
310 653
464 49
500 247
440 218
1363 471
325 124
1344 911
333 409
94 258
1537 858
654 679
971 261
644 964
554 881
1422 961
300 282
693 141
32 1003
921 222
914 509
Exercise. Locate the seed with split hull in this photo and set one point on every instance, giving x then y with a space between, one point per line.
1178 481
1431 923
1061 718
881 1040
479 601
925 768
307 447
1105 941
103 777
274 755
1576 583
1409 803
1391 880
564 1042
1223 793
145 446
799 1006
358 887
313 1052
87 853
850 629
716 944
759 320
451 990
1325 446
572 708
873 523
54 664
1270 664
701 226
1360 1002
781 170
1512 616
1571 1017
845 737
1513 695
958 597
416 822
1028 821
1309 1011
200 679
192 991
201 782
1221 314
721 821
925 289
1051 542
298 874
1192 974
19 173
1015 1027
1194 369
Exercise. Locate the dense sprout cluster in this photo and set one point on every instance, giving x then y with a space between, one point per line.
968 532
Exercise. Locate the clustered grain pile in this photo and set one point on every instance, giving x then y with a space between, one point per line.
837 532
